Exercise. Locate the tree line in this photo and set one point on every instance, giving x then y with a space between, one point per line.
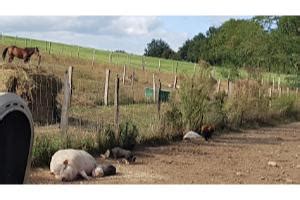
270 43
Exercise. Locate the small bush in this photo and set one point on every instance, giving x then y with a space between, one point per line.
171 122
128 135
44 147
285 105
106 139
230 72
247 104
216 114
79 141
194 99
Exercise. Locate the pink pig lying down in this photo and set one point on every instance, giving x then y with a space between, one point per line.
68 164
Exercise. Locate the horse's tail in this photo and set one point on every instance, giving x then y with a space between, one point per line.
4 53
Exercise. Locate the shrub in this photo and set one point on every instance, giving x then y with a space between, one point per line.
44 147
285 105
194 99
79 141
230 72
248 103
171 123
216 114
128 135
106 138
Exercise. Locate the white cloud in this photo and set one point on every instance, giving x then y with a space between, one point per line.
129 43
104 32
136 25
105 25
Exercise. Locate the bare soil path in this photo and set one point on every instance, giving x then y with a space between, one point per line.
231 158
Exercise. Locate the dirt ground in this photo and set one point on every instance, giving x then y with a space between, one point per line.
231 158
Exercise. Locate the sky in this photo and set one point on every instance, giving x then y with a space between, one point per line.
129 33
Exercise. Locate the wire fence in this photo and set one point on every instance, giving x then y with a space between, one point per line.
90 108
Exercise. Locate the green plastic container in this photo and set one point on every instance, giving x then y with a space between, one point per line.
164 94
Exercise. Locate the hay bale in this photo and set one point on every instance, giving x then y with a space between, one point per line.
17 81
45 105
38 89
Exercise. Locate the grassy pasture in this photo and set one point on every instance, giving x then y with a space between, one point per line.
101 56
86 111
73 54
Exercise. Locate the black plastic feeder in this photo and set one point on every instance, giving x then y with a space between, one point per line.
16 137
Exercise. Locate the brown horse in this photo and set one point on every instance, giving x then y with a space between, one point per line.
20 53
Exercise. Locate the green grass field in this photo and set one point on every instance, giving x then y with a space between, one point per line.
87 113
131 60
101 56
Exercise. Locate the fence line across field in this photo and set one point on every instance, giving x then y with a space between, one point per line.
69 90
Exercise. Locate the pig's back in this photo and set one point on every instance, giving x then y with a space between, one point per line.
79 159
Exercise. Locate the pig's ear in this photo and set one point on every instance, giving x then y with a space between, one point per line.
66 162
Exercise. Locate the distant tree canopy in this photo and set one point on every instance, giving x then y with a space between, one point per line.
120 51
268 42
159 48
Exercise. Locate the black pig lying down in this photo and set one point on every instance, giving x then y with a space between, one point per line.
69 164
120 154
104 170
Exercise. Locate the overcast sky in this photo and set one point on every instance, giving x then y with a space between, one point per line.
111 32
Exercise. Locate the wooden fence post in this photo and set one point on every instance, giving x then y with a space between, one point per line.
159 65
175 82
132 84
172 67
106 87
70 80
287 91
154 88
65 106
93 60
279 83
129 60
124 75
279 91
50 44
117 86
158 98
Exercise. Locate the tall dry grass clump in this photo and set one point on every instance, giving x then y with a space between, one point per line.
247 103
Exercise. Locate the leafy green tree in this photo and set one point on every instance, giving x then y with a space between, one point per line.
159 48
193 49
183 51
270 43
289 25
